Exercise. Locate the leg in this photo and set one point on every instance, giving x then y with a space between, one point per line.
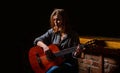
52 69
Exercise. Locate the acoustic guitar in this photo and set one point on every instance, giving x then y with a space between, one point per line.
40 63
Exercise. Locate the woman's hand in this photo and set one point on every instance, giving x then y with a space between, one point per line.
47 51
79 52
49 54
45 48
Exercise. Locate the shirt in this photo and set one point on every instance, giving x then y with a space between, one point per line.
71 39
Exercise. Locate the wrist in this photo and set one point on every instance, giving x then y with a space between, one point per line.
46 48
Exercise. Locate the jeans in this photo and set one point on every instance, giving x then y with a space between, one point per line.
64 68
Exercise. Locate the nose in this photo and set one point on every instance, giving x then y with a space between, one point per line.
56 23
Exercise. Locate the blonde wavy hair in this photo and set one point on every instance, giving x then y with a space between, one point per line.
65 22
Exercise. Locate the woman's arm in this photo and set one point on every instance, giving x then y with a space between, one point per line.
43 45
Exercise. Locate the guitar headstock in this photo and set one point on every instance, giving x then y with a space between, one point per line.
92 44
95 43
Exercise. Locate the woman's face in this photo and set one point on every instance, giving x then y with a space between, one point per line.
57 19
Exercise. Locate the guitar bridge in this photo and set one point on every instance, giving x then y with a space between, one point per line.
39 61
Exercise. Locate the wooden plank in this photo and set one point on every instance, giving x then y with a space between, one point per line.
111 43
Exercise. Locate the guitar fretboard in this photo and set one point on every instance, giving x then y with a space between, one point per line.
68 50
65 51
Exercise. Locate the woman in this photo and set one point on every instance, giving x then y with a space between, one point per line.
61 35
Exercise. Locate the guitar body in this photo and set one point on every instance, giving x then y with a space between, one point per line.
38 60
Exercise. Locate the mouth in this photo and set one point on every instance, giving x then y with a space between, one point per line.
57 28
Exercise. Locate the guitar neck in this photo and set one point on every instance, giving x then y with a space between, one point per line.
68 50
65 51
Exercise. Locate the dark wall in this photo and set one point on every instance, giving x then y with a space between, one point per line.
87 18
30 19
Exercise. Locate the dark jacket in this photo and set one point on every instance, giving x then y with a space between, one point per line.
71 39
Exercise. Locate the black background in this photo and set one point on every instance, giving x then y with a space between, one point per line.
25 20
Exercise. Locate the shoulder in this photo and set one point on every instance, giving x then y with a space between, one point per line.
50 31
